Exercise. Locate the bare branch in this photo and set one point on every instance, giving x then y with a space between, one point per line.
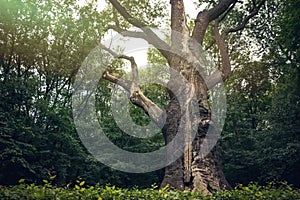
219 9
254 11
228 11
204 18
134 34
125 14
225 68
220 41
163 49
135 76
121 82
152 38
178 14
136 96
156 114
214 79
210 45
114 54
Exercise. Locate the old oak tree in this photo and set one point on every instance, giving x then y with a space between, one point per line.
191 171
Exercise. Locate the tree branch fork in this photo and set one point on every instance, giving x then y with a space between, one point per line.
136 95
217 14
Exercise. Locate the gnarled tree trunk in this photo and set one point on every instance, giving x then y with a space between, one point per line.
193 171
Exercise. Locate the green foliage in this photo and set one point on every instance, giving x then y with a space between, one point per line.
41 47
254 191
43 43
261 137
80 191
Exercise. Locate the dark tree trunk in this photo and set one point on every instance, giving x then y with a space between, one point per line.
194 170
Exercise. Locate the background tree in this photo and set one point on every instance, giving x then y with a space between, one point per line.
42 47
269 150
37 134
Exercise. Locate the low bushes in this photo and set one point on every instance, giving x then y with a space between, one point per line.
80 191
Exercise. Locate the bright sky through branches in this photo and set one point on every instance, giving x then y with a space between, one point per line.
190 7
141 55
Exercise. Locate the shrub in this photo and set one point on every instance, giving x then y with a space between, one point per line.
80 191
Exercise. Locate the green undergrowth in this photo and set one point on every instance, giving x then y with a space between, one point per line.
80 191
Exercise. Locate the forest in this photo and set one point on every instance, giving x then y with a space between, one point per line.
254 44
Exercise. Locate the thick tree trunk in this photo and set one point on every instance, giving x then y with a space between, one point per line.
194 171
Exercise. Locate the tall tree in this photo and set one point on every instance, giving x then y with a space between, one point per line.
41 47
190 171
43 44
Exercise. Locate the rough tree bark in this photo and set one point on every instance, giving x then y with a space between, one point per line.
192 171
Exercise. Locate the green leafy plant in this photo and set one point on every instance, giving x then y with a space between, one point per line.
253 191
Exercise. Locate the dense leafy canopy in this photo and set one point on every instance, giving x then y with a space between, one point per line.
261 139
42 46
